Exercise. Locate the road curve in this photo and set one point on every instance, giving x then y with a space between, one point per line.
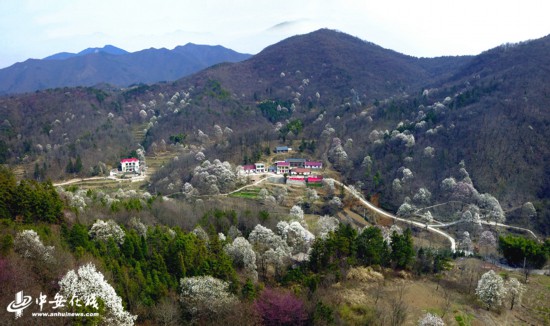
386 214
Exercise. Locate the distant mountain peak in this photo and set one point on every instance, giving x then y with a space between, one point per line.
109 49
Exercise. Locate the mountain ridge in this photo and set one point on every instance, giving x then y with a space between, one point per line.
111 65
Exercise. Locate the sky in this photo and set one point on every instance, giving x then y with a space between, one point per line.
422 28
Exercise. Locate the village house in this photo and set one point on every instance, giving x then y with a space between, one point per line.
282 149
296 162
313 165
259 167
130 165
300 171
248 169
283 167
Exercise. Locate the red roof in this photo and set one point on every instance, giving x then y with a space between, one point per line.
283 164
301 170
315 179
313 163
249 167
127 160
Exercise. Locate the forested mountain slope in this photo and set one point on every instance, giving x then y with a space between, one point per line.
375 115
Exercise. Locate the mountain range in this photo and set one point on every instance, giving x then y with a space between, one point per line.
112 65
373 114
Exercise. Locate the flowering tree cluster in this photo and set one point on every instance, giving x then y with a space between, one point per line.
271 249
104 231
298 238
337 155
243 256
490 289
325 225
431 320
213 178
136 224
27 243
87 284
203 297
486 205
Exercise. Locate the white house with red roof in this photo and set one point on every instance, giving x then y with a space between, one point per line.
130 165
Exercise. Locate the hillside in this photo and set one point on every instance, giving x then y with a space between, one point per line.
113 66
375 115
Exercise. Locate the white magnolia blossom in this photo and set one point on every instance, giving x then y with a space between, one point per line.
296 236
466 243
336 202
200 156
233 232
205 295
514 291
88 284
136 224
428 217
311 195
270 248
27 243
423 196
203 138
325 225
200 233
243 256
490 289
407 175
296 214
142 114
429 152
218 132
528 210
405 137
336 154
189 192
396 185
213 178
103 231
406 209
487 239
431 320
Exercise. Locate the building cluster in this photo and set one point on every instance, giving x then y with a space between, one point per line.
297 170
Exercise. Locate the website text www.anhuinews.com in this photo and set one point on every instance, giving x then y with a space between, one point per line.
65 314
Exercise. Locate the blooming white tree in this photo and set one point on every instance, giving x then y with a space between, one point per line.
325 225
406 209
270 248
423 196
514 291
28 244
466 244
528 210
88 285
205 296
103 231
298 238
136 224
490 289
200 233
296 213
243 256
431 320
213 178
336 154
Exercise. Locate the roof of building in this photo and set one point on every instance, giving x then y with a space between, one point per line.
282 163
259 163
127 160
249 167
301 170
299 160
315 179
314 163
281 148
